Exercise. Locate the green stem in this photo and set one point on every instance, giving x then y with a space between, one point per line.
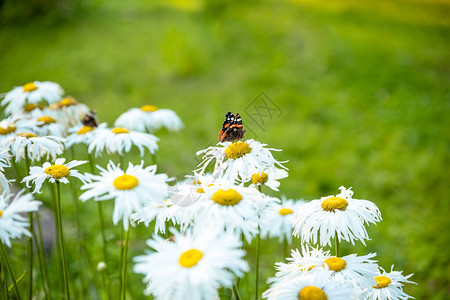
3 283
16 170
286 247
124 265
122 161
41 259
106 281
153 158
8 266
61 240
30 257
102 229
258 242
336 244
91 162
30 239
79 234
236 291
58 253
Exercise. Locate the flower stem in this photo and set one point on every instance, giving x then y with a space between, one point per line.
3 284
336 244
8 266
285 247
258 242
106 281
39 245
153 158
16 171
79 235
61 240
124 265
236 291
104 252
29 239
30 256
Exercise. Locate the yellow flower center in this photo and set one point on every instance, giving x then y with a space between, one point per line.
1 213
148 108
190 258
382 282
285 211
226 198
46 120
29 87
197 182
335 263
30 107
119 130
57 171
312 293
10 127
237 150
85 129
200 190
68 102
125 182
260 178
332 203
27 135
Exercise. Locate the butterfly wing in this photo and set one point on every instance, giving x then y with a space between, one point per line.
90 119
231 128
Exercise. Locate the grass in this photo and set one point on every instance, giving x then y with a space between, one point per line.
362 91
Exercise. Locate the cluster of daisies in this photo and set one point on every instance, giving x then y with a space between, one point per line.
40 125
225 194
202 224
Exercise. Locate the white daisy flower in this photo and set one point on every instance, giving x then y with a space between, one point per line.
339 215
352 268
131 189
224 205
299 263
149 118
312 285
31 93
356 270
276 220
389 286
4 158
10 127
160 212
38 147
7 129
12 223
59 172
82 134
239 161
269 178
4 183
187 192
71 110
50 125
194 266
120 140
4 163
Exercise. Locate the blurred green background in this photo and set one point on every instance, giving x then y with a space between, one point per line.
361 91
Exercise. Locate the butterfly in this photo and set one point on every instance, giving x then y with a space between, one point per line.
90 119
231 128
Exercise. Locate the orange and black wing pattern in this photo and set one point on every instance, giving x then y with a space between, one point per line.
232 128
